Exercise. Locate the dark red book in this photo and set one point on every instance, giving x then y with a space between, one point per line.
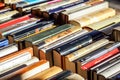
14 21
100 59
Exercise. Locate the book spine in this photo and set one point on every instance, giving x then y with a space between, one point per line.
12 72
96 8
107 22
32 29
58 9
8 50
108 64
49 33
83 51
3 42
7 15
100 59
34 71
64 40
102 51
15 61
27 3
12 22
19 26
15 54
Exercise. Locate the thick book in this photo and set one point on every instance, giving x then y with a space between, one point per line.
86 10
27 3
44 35
8 49
26 63
28 9
74 76
99 59
75 44
109 72
29 30
39 10
104 65
46 73
94 17
60 75
15 58
14 21
54 13
26 70
104 23
4 42
53 39
32 70
72 57
7 16
18 26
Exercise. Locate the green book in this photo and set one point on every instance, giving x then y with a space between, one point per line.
44 35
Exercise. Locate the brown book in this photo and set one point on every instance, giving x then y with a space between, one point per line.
37 47
94 17
26 71
46 73
69 60
15 54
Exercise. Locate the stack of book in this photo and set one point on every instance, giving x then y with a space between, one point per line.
59 39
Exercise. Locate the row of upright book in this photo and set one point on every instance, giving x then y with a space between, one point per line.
59 40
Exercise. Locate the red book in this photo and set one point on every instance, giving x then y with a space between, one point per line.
14 21
100 59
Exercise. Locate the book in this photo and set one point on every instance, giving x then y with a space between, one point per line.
26 63
7 16
104 65
100 59
14 21
74 76
104 23
53 39
32 70
114 77
4 42
15 58
18 26
8 49
40 66
15 54
31 29
74 45
53 12
26 3
68 15
28 9
109 72
38 10
46 73
116 33
60 75
44 35
94 17
72 57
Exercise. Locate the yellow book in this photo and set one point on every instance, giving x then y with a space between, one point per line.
46 73
94 17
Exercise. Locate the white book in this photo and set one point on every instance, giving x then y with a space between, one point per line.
9 49
110 71
86 11
14 61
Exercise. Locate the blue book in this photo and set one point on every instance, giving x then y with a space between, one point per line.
3 42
